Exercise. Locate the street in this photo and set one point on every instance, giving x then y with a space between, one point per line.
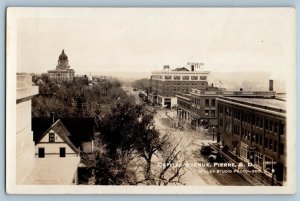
190 144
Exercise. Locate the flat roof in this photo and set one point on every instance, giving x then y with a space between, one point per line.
53 171
270 102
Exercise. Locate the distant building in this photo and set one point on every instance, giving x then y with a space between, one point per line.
24 140
253 129
166 83
63 72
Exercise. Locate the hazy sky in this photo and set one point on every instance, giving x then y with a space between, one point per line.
142 40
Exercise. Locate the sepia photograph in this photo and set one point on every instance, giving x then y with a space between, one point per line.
151 100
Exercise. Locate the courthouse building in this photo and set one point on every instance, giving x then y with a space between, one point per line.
63 72
166 83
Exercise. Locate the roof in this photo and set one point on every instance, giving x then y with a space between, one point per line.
181 69
60 130
271 102
81 129
63 56
53 171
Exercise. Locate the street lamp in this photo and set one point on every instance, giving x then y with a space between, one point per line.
213 133
273 173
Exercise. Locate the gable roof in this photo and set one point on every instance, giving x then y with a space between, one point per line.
181 69
62 132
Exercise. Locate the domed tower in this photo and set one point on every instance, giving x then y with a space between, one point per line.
63 61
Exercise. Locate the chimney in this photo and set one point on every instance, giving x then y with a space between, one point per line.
270 85
52 117
241 89
192 68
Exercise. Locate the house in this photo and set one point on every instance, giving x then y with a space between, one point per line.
57 158
55 142
82 130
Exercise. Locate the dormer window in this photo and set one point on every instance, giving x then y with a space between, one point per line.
51 136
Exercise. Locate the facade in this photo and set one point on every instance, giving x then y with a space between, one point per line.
55 142
254 131
63 72
199 107
24 140
166 83
56 157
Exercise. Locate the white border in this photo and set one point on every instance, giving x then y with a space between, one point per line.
14 14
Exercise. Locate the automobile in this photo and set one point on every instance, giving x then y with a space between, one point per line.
206 149
215 156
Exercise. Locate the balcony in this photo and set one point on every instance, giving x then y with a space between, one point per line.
24 87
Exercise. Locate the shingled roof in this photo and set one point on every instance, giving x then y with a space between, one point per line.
59 128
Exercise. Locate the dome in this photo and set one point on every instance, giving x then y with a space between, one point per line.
63 56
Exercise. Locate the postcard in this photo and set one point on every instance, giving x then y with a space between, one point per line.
151 101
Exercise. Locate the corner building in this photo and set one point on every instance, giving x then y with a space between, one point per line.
254 130
166 83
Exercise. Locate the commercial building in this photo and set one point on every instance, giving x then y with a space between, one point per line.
253 129
199 107
167 83
24 139
63 72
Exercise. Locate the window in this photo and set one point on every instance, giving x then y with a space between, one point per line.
213 102
202 77
51 137
176 77
271 126
194 77
270 144
260 140
257 136
281 149
276 127
275 146
206 112
213 113
221 109
266 142
266 124
281 128
62 152
185 77
168 77
221 122
41 152
206 102
258 159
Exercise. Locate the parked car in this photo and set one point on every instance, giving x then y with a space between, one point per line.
206 149
215 156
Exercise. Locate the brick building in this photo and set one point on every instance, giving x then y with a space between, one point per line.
254 130
166 83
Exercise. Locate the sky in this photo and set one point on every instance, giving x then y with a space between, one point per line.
143 40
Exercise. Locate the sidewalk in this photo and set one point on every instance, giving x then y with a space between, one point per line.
255 179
